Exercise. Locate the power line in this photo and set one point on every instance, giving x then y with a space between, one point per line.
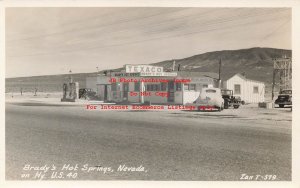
208 23
97 27
272 32
78 21
133 42
92 27
229 19
275 30
153 25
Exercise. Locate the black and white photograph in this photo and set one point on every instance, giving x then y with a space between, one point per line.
161 93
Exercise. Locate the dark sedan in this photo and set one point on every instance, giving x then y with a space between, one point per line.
284 98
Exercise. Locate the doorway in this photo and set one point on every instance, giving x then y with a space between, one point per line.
171 91
125 91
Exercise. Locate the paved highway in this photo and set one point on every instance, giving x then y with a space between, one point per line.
143 145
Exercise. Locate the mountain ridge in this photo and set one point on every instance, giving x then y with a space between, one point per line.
256 63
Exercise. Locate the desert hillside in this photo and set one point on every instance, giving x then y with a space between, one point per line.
256 63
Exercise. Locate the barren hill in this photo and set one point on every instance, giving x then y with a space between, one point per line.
256 63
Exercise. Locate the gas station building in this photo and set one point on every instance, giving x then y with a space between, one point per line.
146 83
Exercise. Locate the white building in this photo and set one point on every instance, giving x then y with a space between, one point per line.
144 83
250 91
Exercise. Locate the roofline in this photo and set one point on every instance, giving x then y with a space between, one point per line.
239 74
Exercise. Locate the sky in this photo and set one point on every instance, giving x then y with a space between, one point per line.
46 41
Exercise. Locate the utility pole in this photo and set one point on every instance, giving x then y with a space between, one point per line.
220 66
283 66
173 67
70 77
273 82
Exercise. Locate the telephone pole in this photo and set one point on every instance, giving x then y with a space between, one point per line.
220 66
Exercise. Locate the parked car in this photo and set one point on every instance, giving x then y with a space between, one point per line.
210 98
284 98
230 100
87 93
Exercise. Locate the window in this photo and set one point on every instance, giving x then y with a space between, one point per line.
125 86
114 86
136 86
171 85
178 86
286 92
192 87
153 87
205 86
149 87
211 91
255 89
186 87
237 89
163 86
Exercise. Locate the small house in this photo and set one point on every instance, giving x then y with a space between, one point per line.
250 91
